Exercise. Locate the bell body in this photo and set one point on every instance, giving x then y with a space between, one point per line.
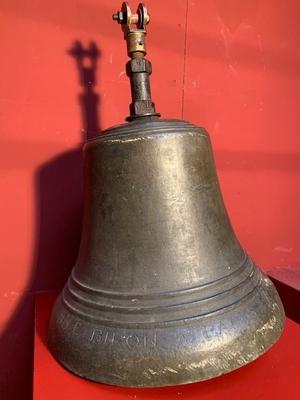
162 292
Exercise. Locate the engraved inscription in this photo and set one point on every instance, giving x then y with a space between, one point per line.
102 337
77 328
108 336
96 336
64 320
132 341
105 337
150 340
205 334
186 338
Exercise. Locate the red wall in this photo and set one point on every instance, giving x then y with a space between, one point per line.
232 66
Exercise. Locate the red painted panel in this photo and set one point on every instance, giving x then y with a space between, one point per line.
242 83
275 375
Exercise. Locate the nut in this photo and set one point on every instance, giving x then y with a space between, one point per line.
142 107
138 65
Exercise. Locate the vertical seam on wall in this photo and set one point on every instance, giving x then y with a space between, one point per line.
184 58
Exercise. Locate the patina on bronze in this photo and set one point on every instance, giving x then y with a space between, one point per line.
162 292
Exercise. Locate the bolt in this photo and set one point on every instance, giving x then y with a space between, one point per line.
118 16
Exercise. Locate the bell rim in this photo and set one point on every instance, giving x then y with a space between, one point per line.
256 341
178 383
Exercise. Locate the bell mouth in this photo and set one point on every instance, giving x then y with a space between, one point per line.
183 351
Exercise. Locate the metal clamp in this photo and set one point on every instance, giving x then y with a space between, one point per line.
134 28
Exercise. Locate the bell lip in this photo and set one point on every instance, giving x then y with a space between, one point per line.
256 341
179 382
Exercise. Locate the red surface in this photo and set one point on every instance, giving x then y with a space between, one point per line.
232 66
242 83
275 375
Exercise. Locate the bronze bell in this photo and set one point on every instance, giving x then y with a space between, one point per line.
162 292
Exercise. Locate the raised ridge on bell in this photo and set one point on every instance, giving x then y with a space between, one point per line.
117 307
155 127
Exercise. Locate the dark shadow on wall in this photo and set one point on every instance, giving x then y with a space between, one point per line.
58 186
